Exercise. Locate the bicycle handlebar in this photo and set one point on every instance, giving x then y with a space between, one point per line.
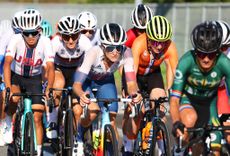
209 128
205 129
28 94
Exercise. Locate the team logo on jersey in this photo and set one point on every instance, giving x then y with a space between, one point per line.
179 74
213 74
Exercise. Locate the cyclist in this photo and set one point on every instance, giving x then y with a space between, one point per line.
198 75
222 100
69 48
23 64
46 29
149 51
8 28
88 26
140 15
97 71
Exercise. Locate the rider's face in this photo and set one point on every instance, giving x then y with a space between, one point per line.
156 46
113 53
206 61
88 33
70 40
31 37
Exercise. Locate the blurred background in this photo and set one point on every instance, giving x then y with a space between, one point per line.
182 14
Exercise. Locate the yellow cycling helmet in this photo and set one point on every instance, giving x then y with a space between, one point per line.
159 29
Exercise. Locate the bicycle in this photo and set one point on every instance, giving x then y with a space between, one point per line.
104 142
157 129
201 137
66 123
24 133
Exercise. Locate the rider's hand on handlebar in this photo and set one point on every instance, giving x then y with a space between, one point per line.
136 98
178 129
84 99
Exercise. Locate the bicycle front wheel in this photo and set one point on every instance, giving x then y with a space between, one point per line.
29 146
110 142
160 139
68 133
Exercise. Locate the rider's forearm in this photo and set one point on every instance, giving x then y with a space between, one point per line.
169 77
7 74
77 88
174 109
132 87
50 75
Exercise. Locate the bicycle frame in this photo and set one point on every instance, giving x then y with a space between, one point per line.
206 130
105 120
152 116
27 108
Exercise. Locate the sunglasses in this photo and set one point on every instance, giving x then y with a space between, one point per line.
209 55
156 43
111 48
89 31
32 33
73 36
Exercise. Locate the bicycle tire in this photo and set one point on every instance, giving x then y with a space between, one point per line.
159 127
16 134
110 142
60 147
29 146
68 132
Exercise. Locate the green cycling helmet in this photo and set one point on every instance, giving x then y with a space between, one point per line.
159 29
46 28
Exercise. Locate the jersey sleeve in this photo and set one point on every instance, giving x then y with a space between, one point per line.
49 55
12 46
173 56
55 42
89 58
130 38
84 43
180 77
129 65
225 63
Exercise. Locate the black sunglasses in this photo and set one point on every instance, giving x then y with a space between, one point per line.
85 31
32 33
67 37
111 48
209 55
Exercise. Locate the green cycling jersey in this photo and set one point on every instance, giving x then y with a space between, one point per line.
190 79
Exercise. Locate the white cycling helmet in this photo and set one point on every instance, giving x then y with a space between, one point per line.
112 34
68 25
140 16
16 19
87 20
30 20
225 31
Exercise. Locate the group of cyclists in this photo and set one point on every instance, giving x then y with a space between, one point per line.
82 56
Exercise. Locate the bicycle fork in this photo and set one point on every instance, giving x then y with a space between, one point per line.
27 109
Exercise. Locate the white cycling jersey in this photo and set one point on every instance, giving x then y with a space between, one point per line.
28 61
4 41
93 65
66 57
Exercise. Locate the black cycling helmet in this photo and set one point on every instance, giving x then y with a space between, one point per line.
207 37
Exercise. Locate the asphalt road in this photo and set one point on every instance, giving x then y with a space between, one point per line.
48 149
